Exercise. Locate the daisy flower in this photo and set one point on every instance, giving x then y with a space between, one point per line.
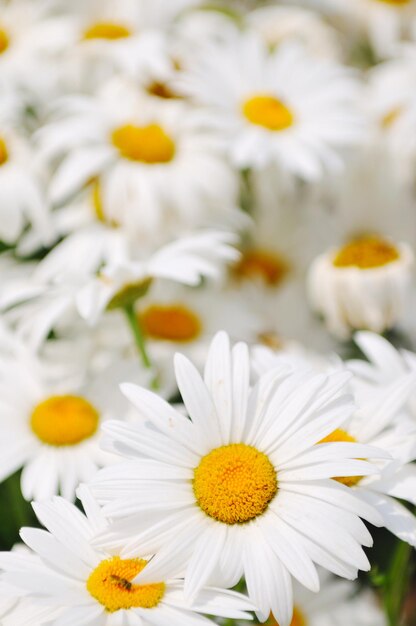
31 35
241 487
22 197
90 586
154 164
184 261
385 364
283 107
361 285
276 24
384 22
51 412
391 102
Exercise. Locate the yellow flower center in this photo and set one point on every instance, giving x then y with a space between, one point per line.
366 253
147 144
4 153
263 265
335 437
267 111
4 41
298 619
172 322
110 584
234 484
64 420
106 30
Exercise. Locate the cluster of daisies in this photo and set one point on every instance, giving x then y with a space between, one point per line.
207 311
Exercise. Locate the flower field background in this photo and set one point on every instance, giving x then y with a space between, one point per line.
207 312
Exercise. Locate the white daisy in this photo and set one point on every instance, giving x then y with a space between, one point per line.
385 365
51 411
242 488
391 102
185 261
385 22
89 586
362 285
22 196
30 38
282 107
155 165
277 23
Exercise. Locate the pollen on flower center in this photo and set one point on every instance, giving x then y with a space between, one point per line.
366 253
298 619
4 41
4 154
234 484
173 322
106 30
110 584
64 420
147 144
267 111
263 265
340 435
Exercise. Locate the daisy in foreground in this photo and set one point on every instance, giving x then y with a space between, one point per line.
241 487
92 587
284 107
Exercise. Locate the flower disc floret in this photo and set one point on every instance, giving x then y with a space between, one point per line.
146 144
107 30
366 253
234 484
64 420
170 323
267 111
110 584
4 153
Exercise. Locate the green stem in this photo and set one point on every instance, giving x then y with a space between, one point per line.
134 323
397 583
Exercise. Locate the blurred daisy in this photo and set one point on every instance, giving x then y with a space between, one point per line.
155 166
391 101
86 585
30 38
184 261
50 420
284 107
22 198
339 603
361 285
277 24
236 491
385 22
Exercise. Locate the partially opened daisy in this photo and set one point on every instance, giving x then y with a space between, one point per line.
128 278
282 107
85 585
241 487
363 284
